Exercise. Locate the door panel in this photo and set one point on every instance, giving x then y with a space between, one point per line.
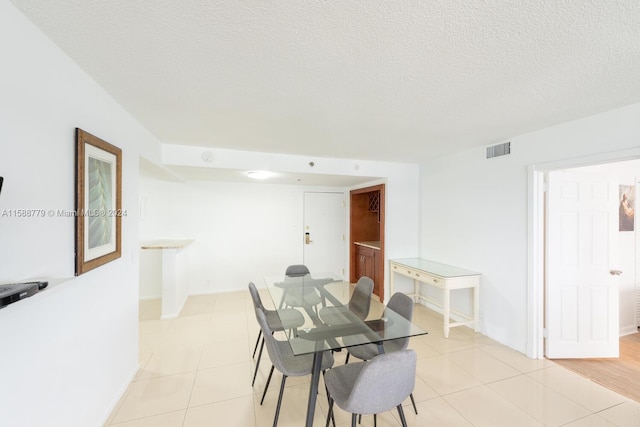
324 220
582 297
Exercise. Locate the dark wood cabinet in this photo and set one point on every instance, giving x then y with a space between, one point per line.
367 226
366 265
365 262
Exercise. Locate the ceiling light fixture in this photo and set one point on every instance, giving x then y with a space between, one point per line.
259 174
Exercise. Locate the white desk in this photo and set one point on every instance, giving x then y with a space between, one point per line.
443 276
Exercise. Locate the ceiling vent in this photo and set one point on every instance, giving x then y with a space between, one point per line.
499 150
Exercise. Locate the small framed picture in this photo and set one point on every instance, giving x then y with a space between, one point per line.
98 202
626 214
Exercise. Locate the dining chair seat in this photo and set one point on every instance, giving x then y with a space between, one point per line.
284 319
306 298
369 351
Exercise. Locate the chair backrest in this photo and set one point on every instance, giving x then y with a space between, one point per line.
296 270
255 296
360 300
270 342
403 305
384 383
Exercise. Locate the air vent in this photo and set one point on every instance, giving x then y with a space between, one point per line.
499 150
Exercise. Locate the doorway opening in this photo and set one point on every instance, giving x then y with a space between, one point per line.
537 244
366 246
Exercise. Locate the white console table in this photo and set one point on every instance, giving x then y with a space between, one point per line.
443 276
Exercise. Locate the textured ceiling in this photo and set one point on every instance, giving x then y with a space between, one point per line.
382 80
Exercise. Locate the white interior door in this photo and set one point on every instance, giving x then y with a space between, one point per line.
324 221
582 294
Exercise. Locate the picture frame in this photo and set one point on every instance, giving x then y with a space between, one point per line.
98 213
626 211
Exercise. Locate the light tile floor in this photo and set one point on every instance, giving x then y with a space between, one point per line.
196 370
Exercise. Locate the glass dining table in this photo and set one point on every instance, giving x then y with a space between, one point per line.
312 293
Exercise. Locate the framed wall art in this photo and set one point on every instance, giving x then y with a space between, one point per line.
98 202
626 214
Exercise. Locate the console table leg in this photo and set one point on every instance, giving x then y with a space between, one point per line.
445 309
476 308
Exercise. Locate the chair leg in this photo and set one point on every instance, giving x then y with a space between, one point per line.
330 403
413 402
330 413
266 386
353 420
284 294
257 342
402 418
347 359
375 420
258 363
275 419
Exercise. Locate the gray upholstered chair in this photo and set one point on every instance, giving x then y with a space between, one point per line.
277 320
285 361
359 304
400 304
372 387
296 270
306 297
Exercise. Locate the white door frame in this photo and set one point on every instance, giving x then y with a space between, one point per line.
535 237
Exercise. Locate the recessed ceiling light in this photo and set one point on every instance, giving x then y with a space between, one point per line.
259 174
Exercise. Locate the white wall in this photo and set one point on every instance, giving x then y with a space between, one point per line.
243 232
474 211
69 352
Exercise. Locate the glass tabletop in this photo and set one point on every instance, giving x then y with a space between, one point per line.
437 268
323 299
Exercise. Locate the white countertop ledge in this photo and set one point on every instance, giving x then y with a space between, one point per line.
372 244
165 243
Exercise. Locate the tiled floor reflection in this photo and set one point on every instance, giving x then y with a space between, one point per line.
196 370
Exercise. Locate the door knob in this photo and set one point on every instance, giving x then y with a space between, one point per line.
615 272
307 238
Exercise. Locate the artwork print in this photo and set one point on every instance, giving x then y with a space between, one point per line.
626 214
100 196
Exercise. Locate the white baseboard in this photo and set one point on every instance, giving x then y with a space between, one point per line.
628 330
149 297
116 400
